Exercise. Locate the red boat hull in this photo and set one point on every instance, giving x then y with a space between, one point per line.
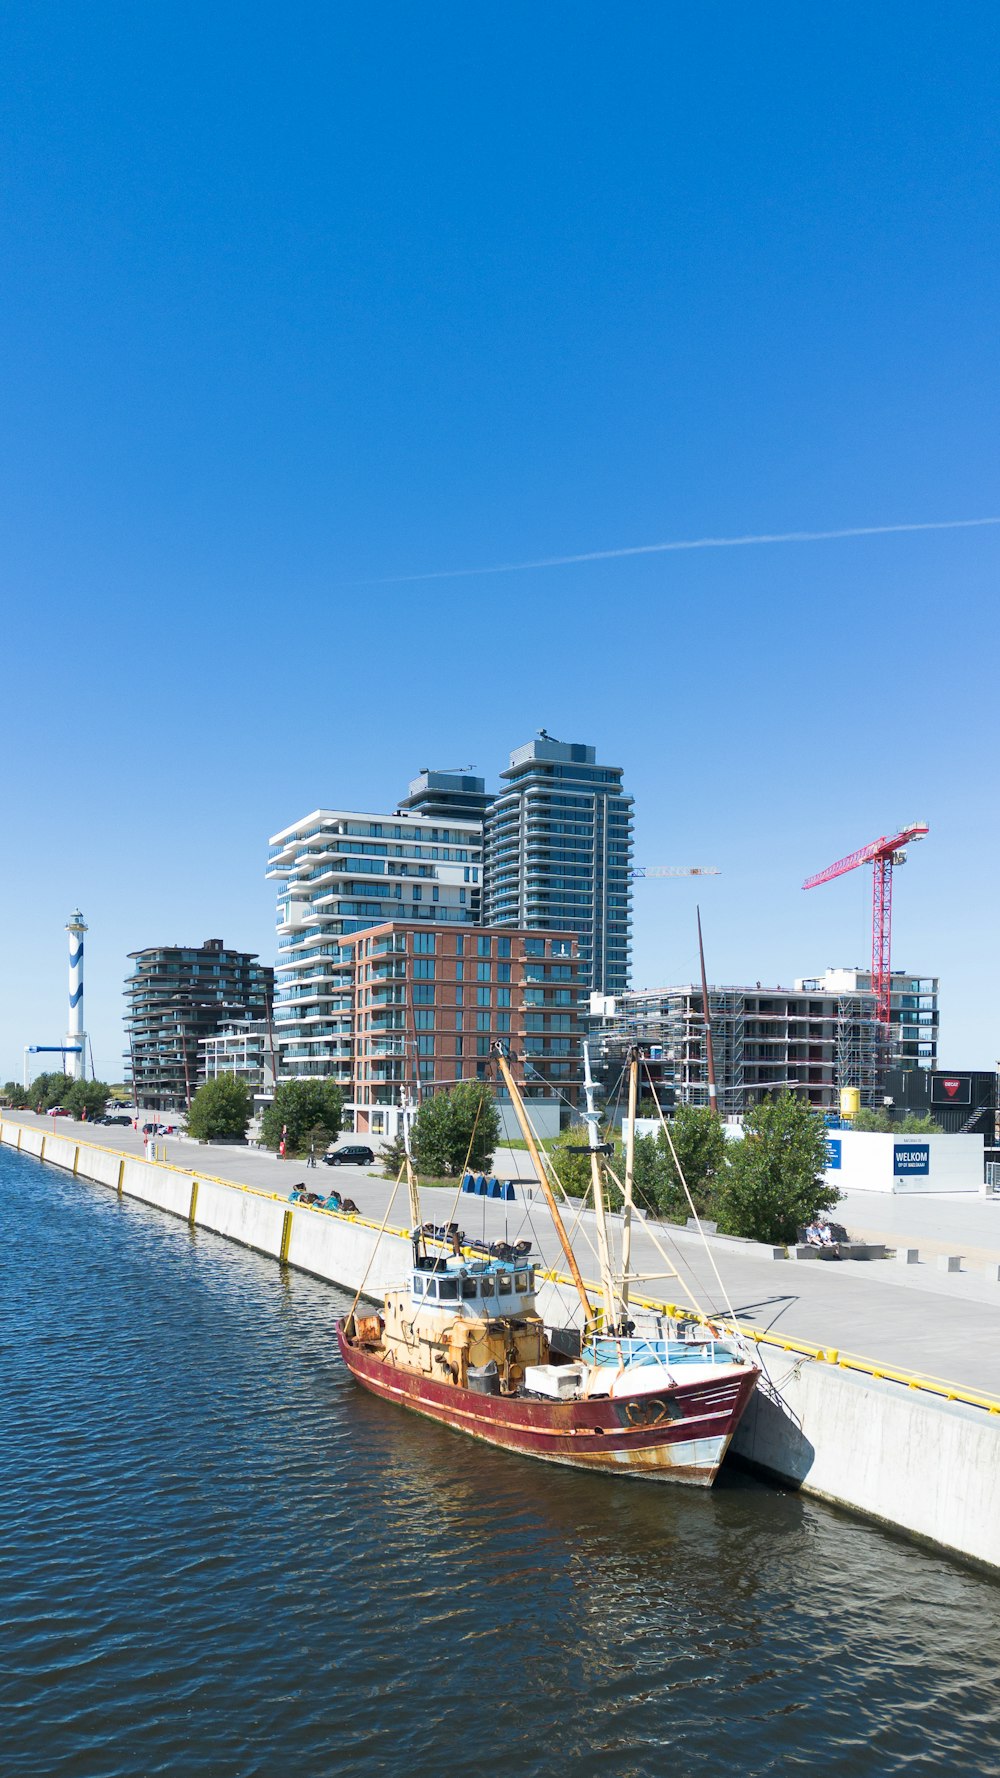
679 1435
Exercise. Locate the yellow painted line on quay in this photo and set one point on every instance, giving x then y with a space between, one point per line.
851 1361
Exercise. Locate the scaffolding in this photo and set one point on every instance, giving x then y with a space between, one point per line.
859 1063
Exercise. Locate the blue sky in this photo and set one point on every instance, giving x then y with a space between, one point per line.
296 300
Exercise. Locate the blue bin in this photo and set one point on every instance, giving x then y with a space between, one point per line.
481 1185
469 1182
494 1189
507 1191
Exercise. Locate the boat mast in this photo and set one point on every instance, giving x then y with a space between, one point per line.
633 1096
543 1180
593 1119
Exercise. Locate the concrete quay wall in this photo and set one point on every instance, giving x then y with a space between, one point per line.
913 1460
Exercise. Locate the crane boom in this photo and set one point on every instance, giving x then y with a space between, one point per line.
883 848
675 870
882 854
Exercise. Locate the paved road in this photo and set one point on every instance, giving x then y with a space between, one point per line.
914 1317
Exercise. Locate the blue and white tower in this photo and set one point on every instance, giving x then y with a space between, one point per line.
76 1036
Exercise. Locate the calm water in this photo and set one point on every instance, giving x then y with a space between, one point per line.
218 1556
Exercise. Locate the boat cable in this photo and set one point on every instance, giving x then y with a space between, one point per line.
385 1224
687 1194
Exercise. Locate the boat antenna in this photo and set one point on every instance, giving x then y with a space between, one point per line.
543 1180
713 1097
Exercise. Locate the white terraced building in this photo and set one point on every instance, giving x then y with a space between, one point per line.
340 872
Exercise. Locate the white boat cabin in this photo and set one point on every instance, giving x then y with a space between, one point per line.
474 1288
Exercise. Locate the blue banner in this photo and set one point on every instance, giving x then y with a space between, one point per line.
833 1146
911 1157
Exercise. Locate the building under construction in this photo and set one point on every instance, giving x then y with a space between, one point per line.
812 1039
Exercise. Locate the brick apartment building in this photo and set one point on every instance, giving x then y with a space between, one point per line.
429 1001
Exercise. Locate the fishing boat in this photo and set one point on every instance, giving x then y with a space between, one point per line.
460 1340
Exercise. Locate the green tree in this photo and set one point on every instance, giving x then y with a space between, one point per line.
698 1138
302 1106
220 1110
882 1121
455 1129
393 1158
772 1182
87 1096
47 1090
572 1170
15 1096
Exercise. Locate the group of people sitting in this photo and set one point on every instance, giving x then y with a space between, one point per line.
300 1194
819 1234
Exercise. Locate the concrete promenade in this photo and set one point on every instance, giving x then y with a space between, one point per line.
917 1318
924 1458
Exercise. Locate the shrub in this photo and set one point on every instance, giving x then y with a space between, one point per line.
220 1110
456 1129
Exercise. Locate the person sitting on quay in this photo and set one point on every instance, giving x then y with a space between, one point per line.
298 1193
334 1202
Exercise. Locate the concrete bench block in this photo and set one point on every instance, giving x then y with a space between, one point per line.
908 1256
992 1272
803 1251
949 1262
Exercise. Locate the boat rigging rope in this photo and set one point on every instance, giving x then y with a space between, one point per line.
687 1194
385 1224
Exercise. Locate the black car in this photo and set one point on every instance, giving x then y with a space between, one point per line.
115 1118
356 1156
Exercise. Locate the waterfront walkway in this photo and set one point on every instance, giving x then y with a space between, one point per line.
917 1318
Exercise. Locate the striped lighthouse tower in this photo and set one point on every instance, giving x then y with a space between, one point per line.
76 1037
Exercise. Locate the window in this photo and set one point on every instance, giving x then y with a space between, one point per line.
425 1046
460 943
482 997
423 1020
562 947
504 1283
534 997
503 947
484 947
459 996
423 968
468 1287
482 1046
503 996
461 898
418 893
418 1284
448 1289
482 972
458 1046
562 997
423 943
483 1021
435 893
423 996
502 1022
503 972
534 947
426 1070
460 970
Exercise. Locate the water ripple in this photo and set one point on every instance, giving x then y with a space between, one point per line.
220 1557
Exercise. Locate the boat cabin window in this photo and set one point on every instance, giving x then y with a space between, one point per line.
418 1284
469 1287
431 1288
504 1283
522 1281
447 1289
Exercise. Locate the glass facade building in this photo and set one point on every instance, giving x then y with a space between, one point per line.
558 855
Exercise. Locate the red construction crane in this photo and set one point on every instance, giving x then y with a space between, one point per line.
882 855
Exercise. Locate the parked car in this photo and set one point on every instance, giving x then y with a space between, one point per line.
355 1155
118 1117
59 1111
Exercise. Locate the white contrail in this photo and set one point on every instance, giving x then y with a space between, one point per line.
686 543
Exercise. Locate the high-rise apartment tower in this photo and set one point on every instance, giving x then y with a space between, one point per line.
558 855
